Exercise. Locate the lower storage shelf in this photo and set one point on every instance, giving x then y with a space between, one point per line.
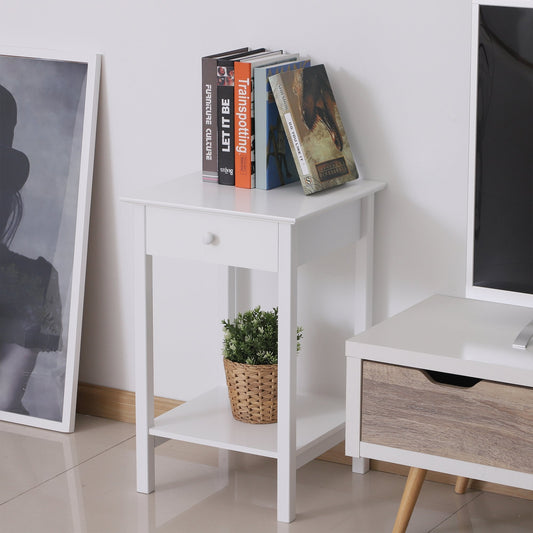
207 420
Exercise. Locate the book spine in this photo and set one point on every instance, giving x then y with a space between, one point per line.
274 161
226 122
209 120
286 114
260 126
209 112
243 124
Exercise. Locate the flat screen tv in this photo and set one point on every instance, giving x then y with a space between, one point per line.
500 232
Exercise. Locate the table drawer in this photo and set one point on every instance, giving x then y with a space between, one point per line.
226 240
487 422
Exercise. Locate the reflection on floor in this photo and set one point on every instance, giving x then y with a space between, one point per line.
85 482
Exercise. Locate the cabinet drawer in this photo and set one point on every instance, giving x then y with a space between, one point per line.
226 240
488 422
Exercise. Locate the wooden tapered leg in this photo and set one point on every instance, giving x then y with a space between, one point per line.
460 484
410 495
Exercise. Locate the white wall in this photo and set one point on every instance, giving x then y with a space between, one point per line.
400 71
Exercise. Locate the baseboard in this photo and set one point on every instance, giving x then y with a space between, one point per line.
115 404
119 405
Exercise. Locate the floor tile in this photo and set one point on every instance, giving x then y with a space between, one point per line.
86 483
376 497
29 456
491 513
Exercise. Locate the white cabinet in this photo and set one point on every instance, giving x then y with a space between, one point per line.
276 231
411 400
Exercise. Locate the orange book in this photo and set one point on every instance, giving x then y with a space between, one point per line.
243 124
243 115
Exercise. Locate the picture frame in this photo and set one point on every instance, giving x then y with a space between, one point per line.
48 115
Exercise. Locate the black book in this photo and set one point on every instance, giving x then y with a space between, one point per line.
225 116
209 114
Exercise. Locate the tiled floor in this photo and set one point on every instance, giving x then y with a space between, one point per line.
85 482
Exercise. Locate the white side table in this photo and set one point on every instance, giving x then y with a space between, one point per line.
401 410
274 231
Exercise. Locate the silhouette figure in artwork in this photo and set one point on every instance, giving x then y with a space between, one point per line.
30 306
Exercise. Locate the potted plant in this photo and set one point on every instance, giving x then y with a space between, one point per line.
250 350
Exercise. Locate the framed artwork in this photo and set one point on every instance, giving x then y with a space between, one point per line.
48 109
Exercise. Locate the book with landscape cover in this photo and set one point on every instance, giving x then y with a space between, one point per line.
245 111
314 128
274 164
209 114
226 118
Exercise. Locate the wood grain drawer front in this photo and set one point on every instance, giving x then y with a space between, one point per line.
226 240
489 423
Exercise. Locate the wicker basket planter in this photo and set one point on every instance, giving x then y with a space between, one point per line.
253 392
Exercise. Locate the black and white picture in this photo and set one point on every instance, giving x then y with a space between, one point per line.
47 123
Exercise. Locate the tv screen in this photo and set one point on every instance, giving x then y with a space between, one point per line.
503 215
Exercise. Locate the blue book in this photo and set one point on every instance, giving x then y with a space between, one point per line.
274 164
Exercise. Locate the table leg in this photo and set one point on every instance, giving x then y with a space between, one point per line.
414 482
364 267
144 378
286 376
360 465
460 484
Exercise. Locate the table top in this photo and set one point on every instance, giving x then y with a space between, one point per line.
455 335
287 203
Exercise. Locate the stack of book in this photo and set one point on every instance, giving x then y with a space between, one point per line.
270 118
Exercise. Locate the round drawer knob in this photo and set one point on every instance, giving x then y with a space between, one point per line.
208 238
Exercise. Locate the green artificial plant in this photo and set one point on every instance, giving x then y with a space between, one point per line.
252 337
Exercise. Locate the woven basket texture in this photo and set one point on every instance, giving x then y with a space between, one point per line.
253 392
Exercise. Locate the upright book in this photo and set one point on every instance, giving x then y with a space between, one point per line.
314 128
226 118
244 114
274 164
209 114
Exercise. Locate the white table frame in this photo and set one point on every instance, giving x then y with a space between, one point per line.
304 227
